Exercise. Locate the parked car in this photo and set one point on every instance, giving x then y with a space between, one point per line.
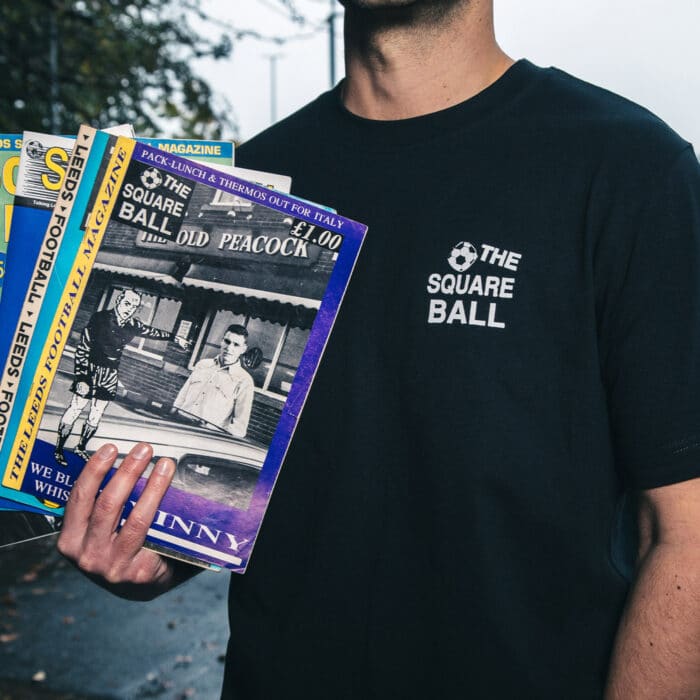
209 461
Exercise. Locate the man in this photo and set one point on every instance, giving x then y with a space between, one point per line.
220 390
446 523
97 359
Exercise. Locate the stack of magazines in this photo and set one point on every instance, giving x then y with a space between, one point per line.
153 292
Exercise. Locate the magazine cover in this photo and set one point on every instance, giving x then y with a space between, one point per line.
212 152
194 318
39 184
10 145
223 153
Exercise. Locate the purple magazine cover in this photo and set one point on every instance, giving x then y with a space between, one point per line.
200 329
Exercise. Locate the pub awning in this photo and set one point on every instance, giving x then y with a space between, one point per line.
270 296
217 286
136 266
294 286
276 307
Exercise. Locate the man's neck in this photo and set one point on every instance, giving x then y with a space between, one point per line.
409 61
230 365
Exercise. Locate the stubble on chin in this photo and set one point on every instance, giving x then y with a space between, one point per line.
403 12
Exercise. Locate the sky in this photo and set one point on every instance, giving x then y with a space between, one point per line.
646 50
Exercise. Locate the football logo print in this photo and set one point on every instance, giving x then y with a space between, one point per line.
34 149
463 256
151 178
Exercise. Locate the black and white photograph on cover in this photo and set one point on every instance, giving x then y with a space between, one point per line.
190 343
97 359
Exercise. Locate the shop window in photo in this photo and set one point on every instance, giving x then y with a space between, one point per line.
212 342
289 358
266 336
281 345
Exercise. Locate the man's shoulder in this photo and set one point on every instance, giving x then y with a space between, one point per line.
208 362
595 115
241 375
102 316
265 150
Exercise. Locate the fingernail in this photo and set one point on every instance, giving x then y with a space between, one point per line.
165 466
106 451
141 450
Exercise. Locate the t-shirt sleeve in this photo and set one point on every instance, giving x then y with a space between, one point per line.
649 331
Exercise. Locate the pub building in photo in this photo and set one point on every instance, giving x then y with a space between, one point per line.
231 262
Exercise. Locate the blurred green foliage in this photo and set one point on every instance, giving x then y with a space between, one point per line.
104 62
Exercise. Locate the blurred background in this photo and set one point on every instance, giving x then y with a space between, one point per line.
228 69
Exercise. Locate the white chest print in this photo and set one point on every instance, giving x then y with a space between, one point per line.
463 298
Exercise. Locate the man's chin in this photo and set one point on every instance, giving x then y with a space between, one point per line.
387 13
378 4
430 5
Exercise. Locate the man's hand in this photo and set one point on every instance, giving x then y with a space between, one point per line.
82 389
182 343
89 537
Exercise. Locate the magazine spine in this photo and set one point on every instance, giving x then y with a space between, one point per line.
42 272
10 145
64 316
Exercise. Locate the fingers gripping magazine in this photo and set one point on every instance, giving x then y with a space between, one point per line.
194 317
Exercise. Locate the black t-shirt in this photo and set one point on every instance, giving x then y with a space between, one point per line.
519 346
